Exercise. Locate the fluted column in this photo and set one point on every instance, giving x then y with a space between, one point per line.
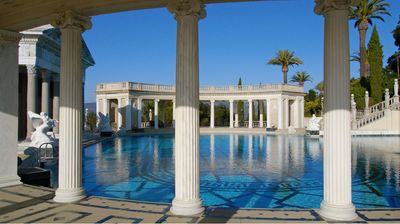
128 114
268 113
250 113
230 113
296 113
9 107
45 90
212 114
31 97
280 113
187 169
337 203
236 120
286 112
156 113
261 121
70 156
139 112
301 122
173 113
120 114
56 103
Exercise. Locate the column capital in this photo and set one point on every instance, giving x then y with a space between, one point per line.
32 70
71 19
250 100
231 101
45 74
9 37
212 101
187 8
157 100
324 6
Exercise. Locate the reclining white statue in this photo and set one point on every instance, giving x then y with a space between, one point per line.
313 123
104 123
42 123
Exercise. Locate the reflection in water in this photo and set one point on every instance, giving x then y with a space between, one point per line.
257 171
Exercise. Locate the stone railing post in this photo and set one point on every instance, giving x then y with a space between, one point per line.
387 99
366 103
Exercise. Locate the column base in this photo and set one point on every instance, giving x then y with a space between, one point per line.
338 212
187 208
69 195
10 181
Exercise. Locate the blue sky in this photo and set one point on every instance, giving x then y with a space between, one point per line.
236 40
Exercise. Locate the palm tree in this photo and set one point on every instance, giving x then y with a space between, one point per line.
285 58
363 14
301 78
356 57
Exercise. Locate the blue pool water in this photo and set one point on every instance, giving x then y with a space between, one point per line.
249 171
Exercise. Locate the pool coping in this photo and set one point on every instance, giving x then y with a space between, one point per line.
26 203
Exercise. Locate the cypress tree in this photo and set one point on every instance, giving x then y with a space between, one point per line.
375 57
240 104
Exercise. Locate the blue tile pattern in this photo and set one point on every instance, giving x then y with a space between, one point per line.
247 171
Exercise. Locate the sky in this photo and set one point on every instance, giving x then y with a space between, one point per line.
235 40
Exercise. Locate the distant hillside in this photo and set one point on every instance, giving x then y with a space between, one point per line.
91 107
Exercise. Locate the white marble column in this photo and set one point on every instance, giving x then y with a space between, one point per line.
296 113
128 114
173 113
56 103
156 113
45 90
212 114
120 114
139 112
32 84
261 121
286 112
230 113
280 113
268 113
9 107
302 112
250 113
187 199
337 203
70 156
236 120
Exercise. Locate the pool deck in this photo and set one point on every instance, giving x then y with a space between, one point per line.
27 204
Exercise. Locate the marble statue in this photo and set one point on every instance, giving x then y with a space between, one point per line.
313 124
42 124
104 125
150 115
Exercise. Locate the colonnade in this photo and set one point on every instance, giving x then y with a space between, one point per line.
47 79
337 203
292 112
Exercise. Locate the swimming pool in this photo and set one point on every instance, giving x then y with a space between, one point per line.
242 170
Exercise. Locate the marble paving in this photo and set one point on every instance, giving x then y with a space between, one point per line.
28 204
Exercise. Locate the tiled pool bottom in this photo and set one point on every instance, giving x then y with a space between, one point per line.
247 171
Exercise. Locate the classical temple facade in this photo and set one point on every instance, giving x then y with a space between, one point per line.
123 102
39 75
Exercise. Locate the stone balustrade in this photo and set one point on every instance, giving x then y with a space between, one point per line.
134 86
